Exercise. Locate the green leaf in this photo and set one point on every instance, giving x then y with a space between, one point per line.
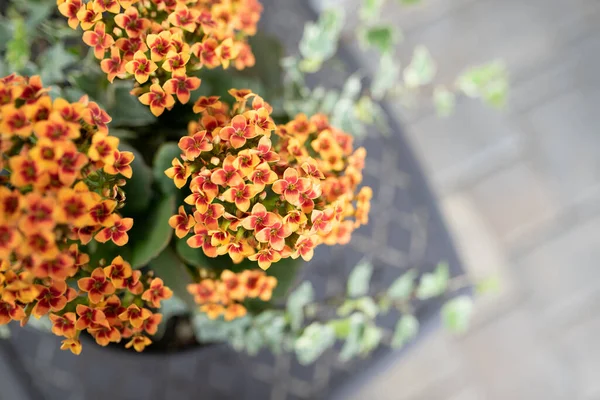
268 51
384 303
162 161
286 271
313 342
208 330
368 306
406 330
37 12
383 38
410 2
444 101
174 273
53 61
487 286
254 341
359 279
17 49
421 69
387 76
123 133
152 235
125 109
488 82
347 307
402 288
319 40
371 337
352 346
456 314
191 256
341 327
299 298
434 284
138 190
370 9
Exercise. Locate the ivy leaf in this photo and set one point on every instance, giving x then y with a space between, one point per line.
341 327
346 308
352 346
488 82
406 330
444 101
489 285
370 9
319 40
387 76
383 38
152 235
456 314
315 339
402 288
162 161
421 69
299 298
4 332
434 284
254 341
359 279
371 337
368 306
53 61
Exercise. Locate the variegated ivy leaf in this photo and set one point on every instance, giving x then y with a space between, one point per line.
488 82
421 69
359 279
386 77
434 284
315 339
370 9
407 328
444 101
299 298
456 314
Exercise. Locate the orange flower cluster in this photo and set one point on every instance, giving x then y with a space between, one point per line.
60 187
164 41
261 196
223 297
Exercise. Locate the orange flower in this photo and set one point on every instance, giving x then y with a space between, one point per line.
210 217
50 298
104 335
140 67
139 343
232 285
157 99
73 208
117 233
274 235
228 175
159 45
89 317
39 213
203 103
175 63
193 145
88 17
202 239
118 271
240 94
98 39
74 345
111 6
262 175
59 268
56 129
266 257
182 223
291 186
63 325
238 133
178 172
152 323
103 147
97 286
102 213
184 17
69 9
206 51
132 23
112 308
133 283
182 85
234 311
157 292
70 164
266 286
241 195
204 292
119 163
305 247
15 122
10 312
97 117
259 218
135 315
25 172
212 310
113 66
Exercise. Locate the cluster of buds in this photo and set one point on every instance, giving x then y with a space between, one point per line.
61 188
223 296
261 196
162 42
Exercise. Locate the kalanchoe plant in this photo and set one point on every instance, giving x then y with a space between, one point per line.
194 200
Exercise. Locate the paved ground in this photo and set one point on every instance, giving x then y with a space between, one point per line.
520 190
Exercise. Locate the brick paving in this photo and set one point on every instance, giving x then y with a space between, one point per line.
520 191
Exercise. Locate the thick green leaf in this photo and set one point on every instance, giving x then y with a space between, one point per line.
346 308
315 339
359 279
191 256
444 101
303 295
267 51
406 330
434 284
174 273
341 327
138 190
402 288
387 76
152 235
125 109
456 314
488 285
368 306
371 337
162 161
285 271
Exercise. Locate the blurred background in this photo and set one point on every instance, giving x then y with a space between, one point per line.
519 190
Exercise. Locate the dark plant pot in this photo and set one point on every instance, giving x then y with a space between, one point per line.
405 231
